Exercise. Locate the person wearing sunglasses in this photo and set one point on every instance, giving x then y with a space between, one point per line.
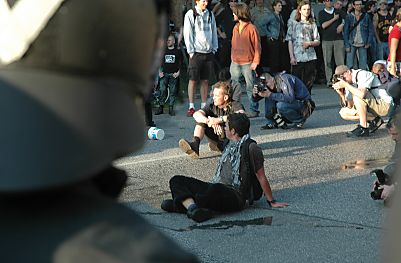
74 82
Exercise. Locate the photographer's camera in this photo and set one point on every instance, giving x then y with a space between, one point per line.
382 179
261 86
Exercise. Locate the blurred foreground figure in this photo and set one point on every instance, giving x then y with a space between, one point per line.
390 250
72 82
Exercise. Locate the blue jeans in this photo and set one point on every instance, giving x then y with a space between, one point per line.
382 50
290 111
362 57
236 72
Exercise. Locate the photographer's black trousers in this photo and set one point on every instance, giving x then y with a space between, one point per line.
217 197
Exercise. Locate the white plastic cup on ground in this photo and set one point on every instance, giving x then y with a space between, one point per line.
155 133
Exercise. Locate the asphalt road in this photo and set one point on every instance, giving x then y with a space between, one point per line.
321 173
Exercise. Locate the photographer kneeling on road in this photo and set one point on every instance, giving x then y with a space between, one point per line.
287 100
369 102
210 121
240 177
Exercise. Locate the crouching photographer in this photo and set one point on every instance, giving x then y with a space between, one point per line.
287 100
364 99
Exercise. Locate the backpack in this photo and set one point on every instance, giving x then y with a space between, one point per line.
388 82
195 14
255 191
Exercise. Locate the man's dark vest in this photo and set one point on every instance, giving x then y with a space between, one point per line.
250 187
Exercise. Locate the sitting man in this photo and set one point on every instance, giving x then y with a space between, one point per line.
210 121
369 101
285 96
239 173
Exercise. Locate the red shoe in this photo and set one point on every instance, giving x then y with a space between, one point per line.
190 112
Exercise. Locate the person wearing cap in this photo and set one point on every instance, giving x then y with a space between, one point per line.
382 20
368 102
73 83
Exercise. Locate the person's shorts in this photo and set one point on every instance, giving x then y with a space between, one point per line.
209 132
201 66
374 108
378 107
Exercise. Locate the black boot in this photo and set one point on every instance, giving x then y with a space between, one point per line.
171 111
159 110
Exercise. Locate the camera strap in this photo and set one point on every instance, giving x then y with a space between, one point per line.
357 23
369 90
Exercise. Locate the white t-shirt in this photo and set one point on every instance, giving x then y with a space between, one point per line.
367 79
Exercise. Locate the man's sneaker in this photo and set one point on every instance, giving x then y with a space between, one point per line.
269 126
359 131
375 124
159 110
252 114
190 148
190 112
199 214
169 206
215 146
280 122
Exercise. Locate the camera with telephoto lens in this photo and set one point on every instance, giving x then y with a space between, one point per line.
261 86
382 179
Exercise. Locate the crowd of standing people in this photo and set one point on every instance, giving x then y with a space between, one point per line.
303 39
276 51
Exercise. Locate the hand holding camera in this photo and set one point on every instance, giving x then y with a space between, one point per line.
338 84
259 90
383 186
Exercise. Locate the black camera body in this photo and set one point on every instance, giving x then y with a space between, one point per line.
261 85
383 179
